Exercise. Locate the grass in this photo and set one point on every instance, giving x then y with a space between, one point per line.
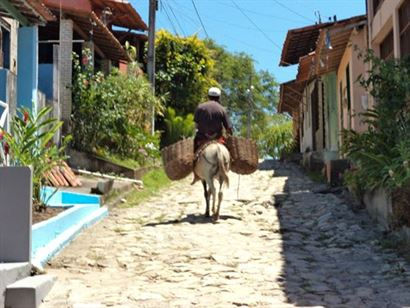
117 159
154 181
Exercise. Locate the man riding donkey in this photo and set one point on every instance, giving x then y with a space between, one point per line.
210 119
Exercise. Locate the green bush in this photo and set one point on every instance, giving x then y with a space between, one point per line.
30 144
381 155
275 137
177 127
111 113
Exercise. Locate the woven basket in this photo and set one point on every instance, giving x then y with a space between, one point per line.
178 159
244 155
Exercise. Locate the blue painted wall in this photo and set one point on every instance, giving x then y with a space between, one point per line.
3 85
27 70
45 79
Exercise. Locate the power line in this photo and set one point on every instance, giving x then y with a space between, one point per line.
199 17
261 14
294 12
169 18
176 19
237 26
256 26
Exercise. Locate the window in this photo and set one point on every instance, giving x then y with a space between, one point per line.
387 47
376 5
404 28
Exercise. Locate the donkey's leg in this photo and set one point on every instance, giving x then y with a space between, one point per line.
213 192
206 194
220 196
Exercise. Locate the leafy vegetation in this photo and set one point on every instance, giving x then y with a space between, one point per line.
381 155
177 127
276 139
183 70
110 114
30 144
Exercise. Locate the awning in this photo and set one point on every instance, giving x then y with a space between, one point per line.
27 12
102 36
332 43
291 94
122 14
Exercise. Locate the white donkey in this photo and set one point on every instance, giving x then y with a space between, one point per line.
213 162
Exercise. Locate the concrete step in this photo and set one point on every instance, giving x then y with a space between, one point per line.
9 273
28 292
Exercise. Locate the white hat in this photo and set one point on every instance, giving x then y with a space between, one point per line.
214 92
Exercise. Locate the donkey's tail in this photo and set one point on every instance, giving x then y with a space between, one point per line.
223 166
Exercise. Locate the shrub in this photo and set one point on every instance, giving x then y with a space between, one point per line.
112 113
277 139
30 144
177 127
381 155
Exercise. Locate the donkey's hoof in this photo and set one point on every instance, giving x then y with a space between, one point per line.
215 218
207 215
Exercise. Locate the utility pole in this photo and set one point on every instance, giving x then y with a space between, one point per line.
250 102
153 4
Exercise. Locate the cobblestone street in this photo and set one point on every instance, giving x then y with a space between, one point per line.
279 244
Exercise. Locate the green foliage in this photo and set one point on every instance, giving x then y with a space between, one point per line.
277 138
236 73
134 68
30 144
183 70
111 113
177 127
381 155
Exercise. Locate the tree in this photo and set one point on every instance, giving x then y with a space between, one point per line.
183 71
236 73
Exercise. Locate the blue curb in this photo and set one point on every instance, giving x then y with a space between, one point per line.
51 236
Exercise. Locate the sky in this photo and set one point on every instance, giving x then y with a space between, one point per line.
257 27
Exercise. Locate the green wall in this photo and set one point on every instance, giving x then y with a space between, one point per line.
330 84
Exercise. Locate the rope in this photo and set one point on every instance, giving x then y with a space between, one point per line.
237 189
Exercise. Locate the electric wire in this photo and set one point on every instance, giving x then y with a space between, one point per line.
262 14
175 17
294 12
199 17
256 26
185 16
169 18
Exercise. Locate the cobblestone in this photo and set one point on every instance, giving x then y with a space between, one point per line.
280 243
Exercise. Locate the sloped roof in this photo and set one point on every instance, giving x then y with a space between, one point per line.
102 37
131 37
291 94
301 41
328 59
123 14
26 11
